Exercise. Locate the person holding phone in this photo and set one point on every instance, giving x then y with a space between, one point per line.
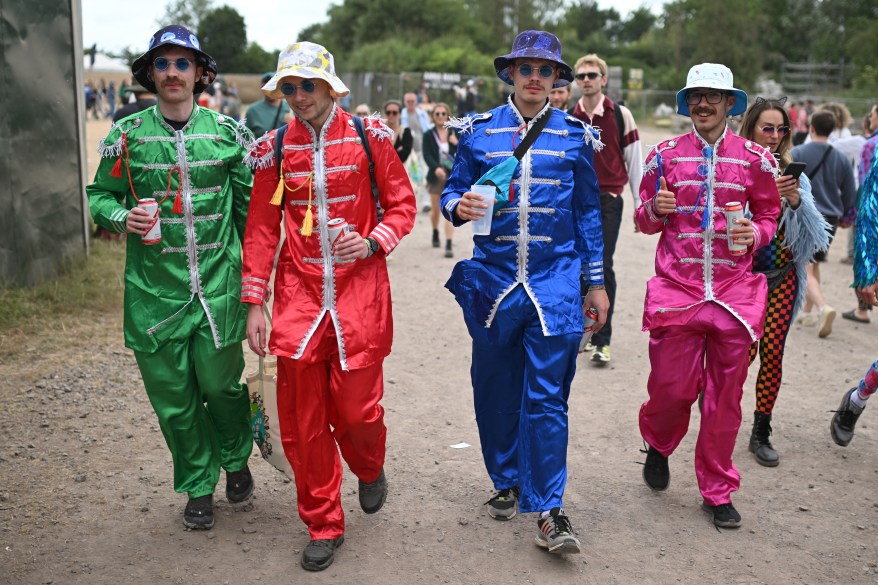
801 232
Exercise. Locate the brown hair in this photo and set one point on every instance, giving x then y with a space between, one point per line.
751 116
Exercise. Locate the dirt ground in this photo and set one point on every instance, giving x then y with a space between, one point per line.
87 497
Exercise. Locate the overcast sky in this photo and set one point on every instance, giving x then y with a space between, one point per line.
113 27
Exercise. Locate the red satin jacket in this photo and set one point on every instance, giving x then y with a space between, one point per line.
332 172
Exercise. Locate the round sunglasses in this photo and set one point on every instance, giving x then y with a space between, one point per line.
289 89
162 63
526 69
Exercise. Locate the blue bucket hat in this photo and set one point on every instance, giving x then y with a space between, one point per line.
711 76
534 44
181 36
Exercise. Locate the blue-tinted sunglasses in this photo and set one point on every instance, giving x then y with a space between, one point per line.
162 63
289 89
526 69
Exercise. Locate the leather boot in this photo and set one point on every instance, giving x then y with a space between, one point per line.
760 445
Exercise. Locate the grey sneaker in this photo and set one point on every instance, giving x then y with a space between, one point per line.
555 533
504 504
601 355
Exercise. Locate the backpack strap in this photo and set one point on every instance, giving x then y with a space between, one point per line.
279 147
620 123
361 132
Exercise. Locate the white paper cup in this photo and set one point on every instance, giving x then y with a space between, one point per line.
482 225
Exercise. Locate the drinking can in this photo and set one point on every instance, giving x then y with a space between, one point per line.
734 211
335 228
590 318
154 235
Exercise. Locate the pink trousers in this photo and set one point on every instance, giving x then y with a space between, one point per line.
710 354
321 406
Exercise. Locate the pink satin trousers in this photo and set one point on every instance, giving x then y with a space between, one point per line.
709 354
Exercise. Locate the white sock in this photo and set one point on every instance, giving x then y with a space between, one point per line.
545 514
857 401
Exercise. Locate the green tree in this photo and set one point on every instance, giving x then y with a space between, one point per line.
189 13
224 37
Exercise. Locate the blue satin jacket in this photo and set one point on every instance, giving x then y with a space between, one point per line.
548 238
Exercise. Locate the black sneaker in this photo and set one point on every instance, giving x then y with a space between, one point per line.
555 533
724 515
198 514
844 420
373 495
239 485
656 473
504 504
319 554
435 240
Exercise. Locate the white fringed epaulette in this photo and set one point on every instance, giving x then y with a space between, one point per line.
123 126
266 161
651 164
377 127
243 135
767 163
591 135
466 124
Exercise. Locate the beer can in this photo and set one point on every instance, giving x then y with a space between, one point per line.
734 211
590 318
336 227
154 235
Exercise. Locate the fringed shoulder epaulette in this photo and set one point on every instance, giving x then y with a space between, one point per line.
261 153
767 163
377 127
467 123
651 161
591 135
110 145
243 135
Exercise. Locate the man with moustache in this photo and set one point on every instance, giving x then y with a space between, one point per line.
704 306
183 315
525 290
332 324
618 163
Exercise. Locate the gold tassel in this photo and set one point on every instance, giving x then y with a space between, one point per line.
308 223
278 193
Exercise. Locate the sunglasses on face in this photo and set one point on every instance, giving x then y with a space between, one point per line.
162 63
440 113
526 69
391 112
289 89
591 75
712 97
769 130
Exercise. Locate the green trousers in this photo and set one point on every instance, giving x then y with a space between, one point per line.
202 407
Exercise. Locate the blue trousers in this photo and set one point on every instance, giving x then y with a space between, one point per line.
521 383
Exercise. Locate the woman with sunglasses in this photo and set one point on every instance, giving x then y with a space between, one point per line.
801 231
440 146
402 136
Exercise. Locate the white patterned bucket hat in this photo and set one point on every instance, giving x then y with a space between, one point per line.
308 61
711 76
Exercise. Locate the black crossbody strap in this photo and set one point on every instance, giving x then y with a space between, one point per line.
535 130
816 170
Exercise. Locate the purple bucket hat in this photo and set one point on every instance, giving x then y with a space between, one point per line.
181 36
535 44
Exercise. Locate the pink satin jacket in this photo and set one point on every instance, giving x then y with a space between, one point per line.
693 264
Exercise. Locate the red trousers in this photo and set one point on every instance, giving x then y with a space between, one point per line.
709 354
321 406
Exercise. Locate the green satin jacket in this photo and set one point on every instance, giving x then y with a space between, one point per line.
192 278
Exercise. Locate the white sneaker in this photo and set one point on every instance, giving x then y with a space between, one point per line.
807 319
825 317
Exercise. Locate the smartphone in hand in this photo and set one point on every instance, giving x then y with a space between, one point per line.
794 169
